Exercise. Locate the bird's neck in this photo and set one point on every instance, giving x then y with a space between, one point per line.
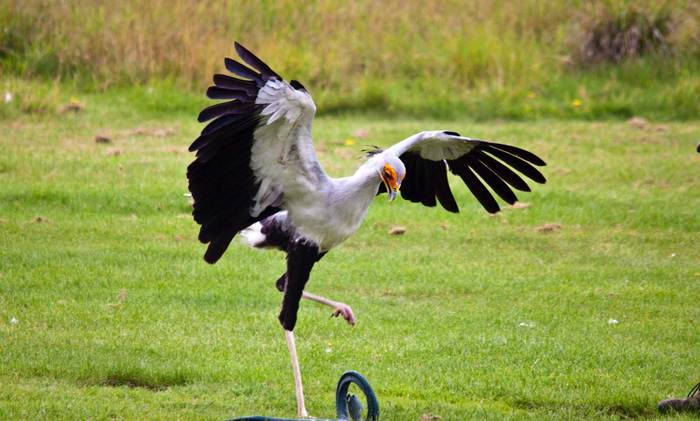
366 178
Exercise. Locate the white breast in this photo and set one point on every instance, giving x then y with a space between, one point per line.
330 218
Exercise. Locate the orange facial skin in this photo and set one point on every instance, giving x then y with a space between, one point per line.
390 178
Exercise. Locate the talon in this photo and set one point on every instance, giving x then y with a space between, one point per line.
345 311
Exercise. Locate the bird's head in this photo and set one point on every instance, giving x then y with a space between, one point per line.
392 173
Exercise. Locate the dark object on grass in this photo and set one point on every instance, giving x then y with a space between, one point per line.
691 403
102 139
348 407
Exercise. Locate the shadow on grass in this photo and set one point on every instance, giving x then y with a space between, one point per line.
137 379
631 410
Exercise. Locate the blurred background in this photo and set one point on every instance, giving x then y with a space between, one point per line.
516 59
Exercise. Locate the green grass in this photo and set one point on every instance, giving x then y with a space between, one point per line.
465 316
485 59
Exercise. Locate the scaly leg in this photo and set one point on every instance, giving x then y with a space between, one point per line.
338 307
299 390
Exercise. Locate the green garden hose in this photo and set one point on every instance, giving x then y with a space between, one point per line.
347 407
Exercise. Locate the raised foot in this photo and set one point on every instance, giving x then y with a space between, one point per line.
342 309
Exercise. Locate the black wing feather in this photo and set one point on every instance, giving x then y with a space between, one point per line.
221 181
408 185
214 92
228 82
493 180
243 71
223 108
510 176
223 121
519 164
460 168
211 145
521 153
428 186
255 62
442 189
426 180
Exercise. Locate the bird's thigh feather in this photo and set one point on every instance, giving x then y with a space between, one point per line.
301 257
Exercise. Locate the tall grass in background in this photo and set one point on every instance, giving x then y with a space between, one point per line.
484 58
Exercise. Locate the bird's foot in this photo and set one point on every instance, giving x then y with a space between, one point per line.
302 413
342 309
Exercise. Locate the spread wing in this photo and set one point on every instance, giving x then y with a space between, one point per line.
479 163
256 154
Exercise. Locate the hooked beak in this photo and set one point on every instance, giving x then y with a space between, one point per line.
391 189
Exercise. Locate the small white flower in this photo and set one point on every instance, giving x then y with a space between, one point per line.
8 97
673 254
328 350
13 321
527 324
613 321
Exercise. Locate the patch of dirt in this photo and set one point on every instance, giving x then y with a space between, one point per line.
344 153
550 227
430 417
360 133
397 230
71 107
175 151
519 205
152 131
121 299
114 152
638 122
103 139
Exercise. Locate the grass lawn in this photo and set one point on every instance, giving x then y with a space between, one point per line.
107 309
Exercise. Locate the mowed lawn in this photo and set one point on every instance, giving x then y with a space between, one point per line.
107 309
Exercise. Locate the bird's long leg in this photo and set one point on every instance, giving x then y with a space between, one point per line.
301 256
298 388
338 307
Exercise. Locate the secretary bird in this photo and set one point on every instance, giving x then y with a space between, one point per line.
256 173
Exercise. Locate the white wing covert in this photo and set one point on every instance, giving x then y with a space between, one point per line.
283 158
255 155
479 163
